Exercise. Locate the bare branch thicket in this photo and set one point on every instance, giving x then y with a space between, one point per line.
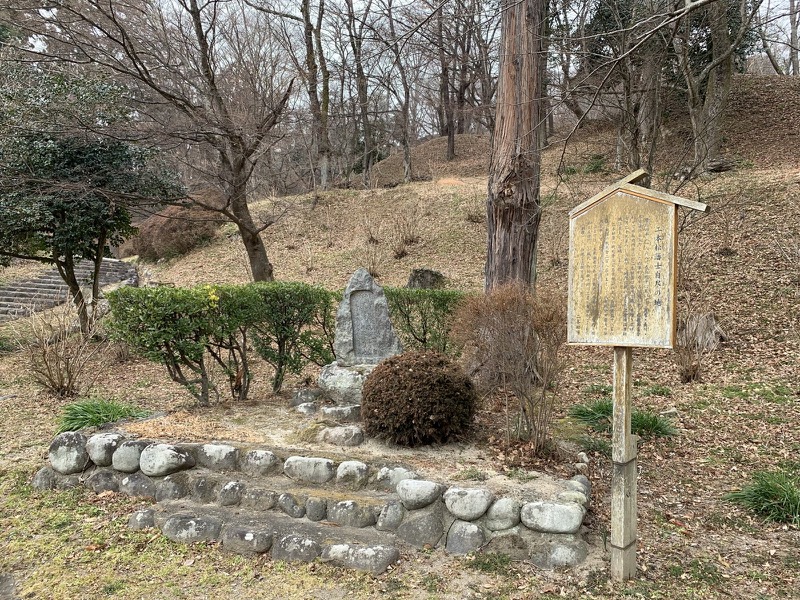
61 359
512 340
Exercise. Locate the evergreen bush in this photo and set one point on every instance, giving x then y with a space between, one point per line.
417 398
294 326
191 330
422 317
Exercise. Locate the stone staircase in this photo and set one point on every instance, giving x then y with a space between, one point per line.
301 508
21 298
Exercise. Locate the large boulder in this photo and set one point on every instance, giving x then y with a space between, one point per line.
126 456
309 470
417 493
467 504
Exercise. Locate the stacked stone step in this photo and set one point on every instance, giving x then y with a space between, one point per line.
21 298
310 508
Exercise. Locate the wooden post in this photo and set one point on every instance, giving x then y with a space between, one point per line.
623 482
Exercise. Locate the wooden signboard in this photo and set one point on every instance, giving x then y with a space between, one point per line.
623 269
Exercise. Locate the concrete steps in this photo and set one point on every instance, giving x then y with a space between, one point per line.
22 298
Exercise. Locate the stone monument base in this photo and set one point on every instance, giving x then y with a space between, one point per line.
343 385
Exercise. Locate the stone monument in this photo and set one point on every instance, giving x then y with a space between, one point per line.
364 337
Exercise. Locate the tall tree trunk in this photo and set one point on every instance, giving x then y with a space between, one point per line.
319 100
405 102
356 34
447 121
708 136
66 269
260 266
513 206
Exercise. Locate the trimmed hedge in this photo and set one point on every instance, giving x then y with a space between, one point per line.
189 329
422 317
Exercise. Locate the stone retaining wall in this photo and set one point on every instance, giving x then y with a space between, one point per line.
305 508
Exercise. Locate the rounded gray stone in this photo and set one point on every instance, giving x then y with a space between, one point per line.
245 539
294 547
573 496
304 395
258 498
182 528
101 447
126 456
307 408
372 559
103 480
173 487
218 457
67 453
259 462
464 537
67 482
552 517
159 460
137 485
230 494
343 414
583 482
142 519
288 504
309 470
316 508
205 489
503 514
45 479
349 514
391 516
389 477
352 474
467 504
344 435
418 493
343 384
425 528
558 551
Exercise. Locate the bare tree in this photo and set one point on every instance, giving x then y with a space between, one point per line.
708 81
206 75
513 203
313 68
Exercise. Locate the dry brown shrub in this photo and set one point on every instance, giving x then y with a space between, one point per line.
512 339
172 232
61 359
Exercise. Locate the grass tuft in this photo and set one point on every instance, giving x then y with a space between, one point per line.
490 562
774 495
657 390
599 446
598 415
94 412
